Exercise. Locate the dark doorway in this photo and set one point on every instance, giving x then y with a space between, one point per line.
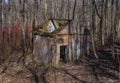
63 53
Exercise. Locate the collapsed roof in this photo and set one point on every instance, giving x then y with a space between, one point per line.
51 28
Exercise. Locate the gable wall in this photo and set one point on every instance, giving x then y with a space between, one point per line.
50 27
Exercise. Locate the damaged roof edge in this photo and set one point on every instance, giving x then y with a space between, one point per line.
44 32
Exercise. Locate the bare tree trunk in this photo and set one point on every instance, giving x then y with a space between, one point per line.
69 36
9 20
1 13
24 29
101 24
36 8
112 27
46 7
2 20
92 30
73 15
114 20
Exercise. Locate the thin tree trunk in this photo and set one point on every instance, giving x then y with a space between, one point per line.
92 30
9 19
112 27
73 16
24 29
2 20
101 24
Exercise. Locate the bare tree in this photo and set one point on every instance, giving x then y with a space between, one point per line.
92 29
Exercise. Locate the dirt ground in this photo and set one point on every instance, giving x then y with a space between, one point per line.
82 71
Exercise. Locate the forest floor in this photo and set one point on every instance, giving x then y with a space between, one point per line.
85 70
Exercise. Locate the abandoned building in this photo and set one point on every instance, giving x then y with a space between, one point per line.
54 43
